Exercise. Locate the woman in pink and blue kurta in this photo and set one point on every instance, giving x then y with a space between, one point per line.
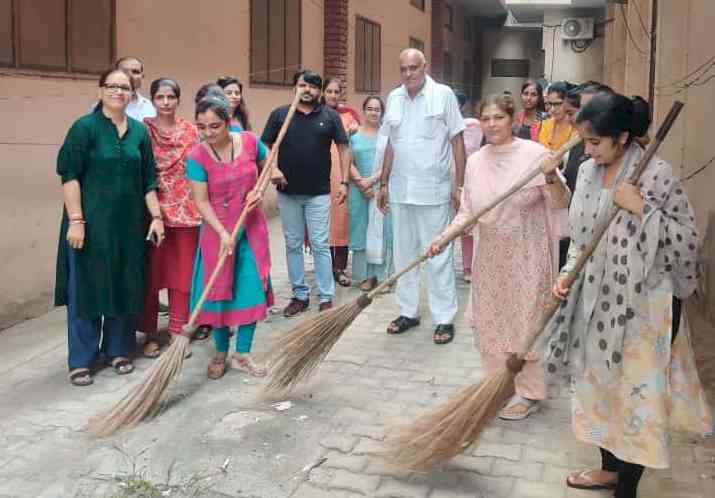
223 170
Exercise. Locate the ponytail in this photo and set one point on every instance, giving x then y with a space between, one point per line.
610 114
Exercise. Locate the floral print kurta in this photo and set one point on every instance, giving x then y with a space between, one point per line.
631 386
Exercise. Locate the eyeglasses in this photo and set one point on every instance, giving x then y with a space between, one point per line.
557 103
113 88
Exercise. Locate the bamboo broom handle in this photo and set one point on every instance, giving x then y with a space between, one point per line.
261 185
571 277
558 155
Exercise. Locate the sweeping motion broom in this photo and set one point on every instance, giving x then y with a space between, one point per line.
145 399
295 356
444 433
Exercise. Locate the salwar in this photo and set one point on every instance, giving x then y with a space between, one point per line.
415 227
244 338
629 474
529 383
114 336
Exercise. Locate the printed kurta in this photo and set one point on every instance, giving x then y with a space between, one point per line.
613 334
114 175
242 291
339 213
512 268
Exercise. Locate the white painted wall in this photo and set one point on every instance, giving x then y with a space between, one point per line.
498 43
560 61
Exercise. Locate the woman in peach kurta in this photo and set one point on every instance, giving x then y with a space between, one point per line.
339 213
512 269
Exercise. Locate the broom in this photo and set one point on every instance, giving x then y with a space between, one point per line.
442 434
295 356
146 399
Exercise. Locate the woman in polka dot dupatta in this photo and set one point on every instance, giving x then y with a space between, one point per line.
620 334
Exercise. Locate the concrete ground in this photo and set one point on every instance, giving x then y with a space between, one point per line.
224 439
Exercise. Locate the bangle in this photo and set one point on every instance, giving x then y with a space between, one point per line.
345 183
157 217
77 221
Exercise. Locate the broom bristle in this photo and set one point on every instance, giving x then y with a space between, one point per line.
445 432
146 398
294 357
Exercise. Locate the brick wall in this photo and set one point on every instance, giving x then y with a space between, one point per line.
335 51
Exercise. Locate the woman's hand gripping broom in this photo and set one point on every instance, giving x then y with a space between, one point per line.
146 398
295 356
444 433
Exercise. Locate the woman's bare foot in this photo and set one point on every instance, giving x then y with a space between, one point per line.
217 366
244 363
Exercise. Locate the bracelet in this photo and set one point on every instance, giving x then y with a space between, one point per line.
77 221
158 217
345 183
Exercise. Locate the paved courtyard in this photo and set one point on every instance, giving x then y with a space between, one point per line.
225 439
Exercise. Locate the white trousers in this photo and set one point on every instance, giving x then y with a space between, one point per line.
414 228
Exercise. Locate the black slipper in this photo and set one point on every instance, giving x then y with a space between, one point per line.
442 330
403 324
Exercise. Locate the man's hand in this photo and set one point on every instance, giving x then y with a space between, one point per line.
278 179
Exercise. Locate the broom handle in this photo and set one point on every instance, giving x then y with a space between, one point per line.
601 229
475 217
261 185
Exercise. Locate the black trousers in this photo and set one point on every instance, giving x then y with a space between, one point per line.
629 474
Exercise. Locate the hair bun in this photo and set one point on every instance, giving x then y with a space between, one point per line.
640 121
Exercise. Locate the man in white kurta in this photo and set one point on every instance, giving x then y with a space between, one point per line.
424 127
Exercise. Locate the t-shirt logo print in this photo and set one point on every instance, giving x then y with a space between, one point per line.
321 123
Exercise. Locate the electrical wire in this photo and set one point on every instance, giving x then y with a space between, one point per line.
699 170
628 30
640 19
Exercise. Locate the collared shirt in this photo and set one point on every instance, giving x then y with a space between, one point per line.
304 154
420 131
140 108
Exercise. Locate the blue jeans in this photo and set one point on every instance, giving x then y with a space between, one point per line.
85 336
313 211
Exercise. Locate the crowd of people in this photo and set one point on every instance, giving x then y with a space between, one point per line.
151 200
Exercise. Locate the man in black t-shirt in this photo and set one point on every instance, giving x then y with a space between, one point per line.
303 182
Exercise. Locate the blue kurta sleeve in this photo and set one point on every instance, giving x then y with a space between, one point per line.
262 150
195 171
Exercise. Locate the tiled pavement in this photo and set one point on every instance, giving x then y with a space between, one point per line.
227 432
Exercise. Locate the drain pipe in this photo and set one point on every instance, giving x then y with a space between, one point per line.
653 38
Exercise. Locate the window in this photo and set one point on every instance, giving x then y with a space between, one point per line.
510 68
449 23
275 41
417 43
447 68
367 56
420 4
58 35
468 31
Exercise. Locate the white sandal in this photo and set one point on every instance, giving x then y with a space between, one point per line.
516 400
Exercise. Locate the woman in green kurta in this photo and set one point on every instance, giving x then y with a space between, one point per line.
107 170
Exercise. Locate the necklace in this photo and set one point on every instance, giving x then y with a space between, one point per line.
218 157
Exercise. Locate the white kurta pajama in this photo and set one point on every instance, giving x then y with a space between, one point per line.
419 131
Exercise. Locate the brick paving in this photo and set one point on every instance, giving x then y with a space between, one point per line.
369 383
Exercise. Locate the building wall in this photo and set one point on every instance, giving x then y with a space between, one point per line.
461 49
174 39
397 24
499 43
560 61
684 39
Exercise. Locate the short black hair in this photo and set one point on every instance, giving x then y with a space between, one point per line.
309 76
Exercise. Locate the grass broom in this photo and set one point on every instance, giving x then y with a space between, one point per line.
294 357
444 433
146 398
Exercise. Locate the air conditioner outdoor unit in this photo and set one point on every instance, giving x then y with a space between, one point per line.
577 28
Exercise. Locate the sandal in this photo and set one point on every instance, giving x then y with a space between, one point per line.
402 324
511 411
122 366
80 377
202 333
246 364
151 350
443 334
368 284
341 278
217 366
588 482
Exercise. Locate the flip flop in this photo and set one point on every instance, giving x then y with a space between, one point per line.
122 366
403 324
590 484
532 407
81 377
153 352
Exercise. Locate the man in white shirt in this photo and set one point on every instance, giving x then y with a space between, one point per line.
140 107
424 127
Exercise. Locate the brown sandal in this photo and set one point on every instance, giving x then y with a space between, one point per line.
81 377
246 364
217 366
151 350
